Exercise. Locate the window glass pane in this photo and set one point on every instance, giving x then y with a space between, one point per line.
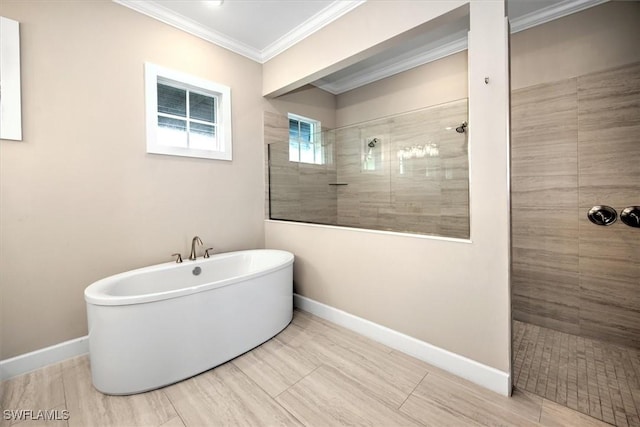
306 152
202 107
175 124
172 132
293 129
203 137
305 131
172 100
294 151
202 129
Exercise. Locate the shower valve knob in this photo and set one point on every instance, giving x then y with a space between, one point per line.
602 215
631 216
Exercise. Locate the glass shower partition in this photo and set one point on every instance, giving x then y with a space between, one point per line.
404 173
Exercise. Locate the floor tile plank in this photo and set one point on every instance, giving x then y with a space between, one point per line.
555 415
55 418
38 390
225 396
388 376
88 407
434 414
481 406
275 366
318 373
327 397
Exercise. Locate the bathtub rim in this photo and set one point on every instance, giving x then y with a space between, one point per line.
94 293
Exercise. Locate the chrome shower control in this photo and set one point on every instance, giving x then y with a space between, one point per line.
631 216
602 215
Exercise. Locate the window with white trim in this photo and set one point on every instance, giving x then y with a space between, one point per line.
305 141
187 115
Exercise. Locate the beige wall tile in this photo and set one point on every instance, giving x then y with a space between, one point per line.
545 130
574 146
545 191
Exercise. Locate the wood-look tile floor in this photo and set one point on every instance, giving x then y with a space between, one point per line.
314 373
594 377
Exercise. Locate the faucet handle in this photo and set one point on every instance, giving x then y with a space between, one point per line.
206 252
179 259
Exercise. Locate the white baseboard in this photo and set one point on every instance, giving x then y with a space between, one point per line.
483 375
28 362
469 369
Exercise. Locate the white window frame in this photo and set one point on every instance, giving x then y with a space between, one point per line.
316 139
10 99
155 74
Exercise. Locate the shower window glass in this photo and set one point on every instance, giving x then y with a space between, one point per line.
305 143
187 116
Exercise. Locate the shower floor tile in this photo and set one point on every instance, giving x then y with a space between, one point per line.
594 377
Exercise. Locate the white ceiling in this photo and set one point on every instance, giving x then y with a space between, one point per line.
261 29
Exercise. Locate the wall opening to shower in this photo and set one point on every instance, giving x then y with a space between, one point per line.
406 172
575 118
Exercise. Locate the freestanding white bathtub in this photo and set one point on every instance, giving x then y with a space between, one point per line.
157 325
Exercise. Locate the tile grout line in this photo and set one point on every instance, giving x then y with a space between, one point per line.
275 398
174 408
414 389
64 393
300 379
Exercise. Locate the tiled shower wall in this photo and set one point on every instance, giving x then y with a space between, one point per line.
296 191
428 194
576 144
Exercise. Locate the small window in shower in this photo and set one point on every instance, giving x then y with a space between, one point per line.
305 140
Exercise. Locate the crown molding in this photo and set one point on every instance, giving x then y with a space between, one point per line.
161 13
326 16
329 14
408 60
551 13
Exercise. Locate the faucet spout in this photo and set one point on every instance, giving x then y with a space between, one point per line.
195 240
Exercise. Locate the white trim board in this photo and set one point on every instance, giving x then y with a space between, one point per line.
476 372
28 362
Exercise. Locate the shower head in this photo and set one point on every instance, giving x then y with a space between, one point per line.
373 142
462 128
